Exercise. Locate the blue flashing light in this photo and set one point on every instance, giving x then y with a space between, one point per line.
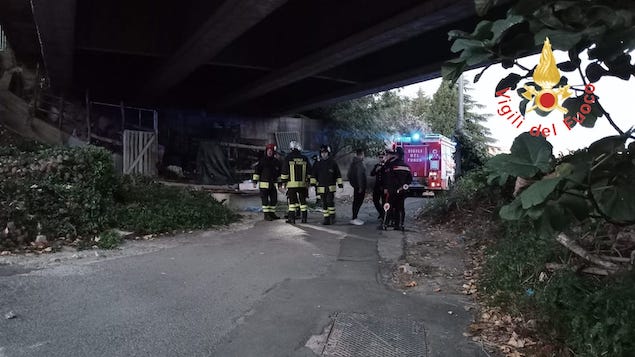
416 136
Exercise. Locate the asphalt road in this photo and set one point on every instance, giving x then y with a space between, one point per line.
263 290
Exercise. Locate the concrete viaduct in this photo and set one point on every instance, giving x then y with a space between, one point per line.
264 57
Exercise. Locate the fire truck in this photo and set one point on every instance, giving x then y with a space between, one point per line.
431 160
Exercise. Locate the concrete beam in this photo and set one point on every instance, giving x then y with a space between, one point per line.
416 75
425 17
232 19
55 22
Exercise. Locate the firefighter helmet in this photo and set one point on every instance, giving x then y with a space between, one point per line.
270 146
325 148
391 147
294 144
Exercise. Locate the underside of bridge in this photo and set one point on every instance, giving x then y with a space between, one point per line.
265 57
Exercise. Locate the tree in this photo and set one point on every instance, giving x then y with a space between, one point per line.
592 187
441 116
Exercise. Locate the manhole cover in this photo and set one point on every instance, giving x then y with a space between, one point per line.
364 335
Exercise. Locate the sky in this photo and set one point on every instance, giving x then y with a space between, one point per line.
617 97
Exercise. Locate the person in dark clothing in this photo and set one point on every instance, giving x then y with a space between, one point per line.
295 175
326 175
357 179
266 177
378 190
397 174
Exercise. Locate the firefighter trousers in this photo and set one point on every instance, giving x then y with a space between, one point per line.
328 203
269 197
297 199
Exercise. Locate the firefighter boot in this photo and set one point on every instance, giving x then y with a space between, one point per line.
273 215
327 221
291 218
304 215
268 216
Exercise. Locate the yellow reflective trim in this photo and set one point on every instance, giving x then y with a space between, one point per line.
332 188
339 181
296 184
256 177
321 190
313 181
263 184
284 177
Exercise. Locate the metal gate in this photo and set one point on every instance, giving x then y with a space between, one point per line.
140 152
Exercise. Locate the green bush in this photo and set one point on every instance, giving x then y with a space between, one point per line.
109 240
74 193
147 207
66 192
593 316
513 265
469 190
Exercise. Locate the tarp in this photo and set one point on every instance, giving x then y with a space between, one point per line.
213 167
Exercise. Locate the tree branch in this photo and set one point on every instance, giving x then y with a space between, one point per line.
577 249
521 66
597 101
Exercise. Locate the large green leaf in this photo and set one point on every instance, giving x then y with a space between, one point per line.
608 145
452 69
483 6
576 204
475 55
483 30
508 164
536 151
500 26
461 44
530 156
512 211
560 40
554 219
538 192
618 202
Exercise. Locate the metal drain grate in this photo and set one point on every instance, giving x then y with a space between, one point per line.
369 336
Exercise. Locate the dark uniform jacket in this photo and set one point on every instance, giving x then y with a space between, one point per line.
326 175
357 175
396 173
267 172
296 170
377 171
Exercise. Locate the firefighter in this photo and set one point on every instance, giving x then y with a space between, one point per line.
295 175
396 174
378 190
266 176
326 176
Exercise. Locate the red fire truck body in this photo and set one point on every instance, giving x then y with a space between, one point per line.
431 159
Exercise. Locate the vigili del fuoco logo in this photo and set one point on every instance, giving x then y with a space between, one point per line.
544 95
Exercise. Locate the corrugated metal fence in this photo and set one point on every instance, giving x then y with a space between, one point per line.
283 138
